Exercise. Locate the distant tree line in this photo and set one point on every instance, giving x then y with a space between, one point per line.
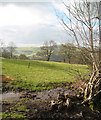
67 53
50 51
8 51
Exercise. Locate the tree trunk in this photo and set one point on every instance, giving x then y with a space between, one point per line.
64 60
90 89
48 58
93 86
69 60
100 38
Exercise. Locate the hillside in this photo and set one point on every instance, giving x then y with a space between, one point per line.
29 51
41 75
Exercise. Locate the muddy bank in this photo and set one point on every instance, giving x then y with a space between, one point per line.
45 95
37 106
41 110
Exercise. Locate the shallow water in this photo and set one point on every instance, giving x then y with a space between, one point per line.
45 95
10 96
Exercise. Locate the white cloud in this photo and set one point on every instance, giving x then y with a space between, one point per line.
33 35
29 24
16 15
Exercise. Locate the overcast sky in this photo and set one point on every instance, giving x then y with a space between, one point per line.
30 24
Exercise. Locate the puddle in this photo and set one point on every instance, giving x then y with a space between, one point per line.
45 95
50 94
10 96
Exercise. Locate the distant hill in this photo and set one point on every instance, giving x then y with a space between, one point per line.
29 51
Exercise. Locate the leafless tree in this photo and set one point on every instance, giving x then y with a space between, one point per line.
1 47
3 50
47 49
67 50
11 48
81 22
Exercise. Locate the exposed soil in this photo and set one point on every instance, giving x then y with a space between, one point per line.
38 106
6 78
41 110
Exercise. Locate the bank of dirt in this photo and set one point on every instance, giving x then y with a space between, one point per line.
37 106
30 105
41 110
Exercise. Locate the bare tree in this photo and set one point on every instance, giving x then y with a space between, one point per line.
47 49
85 56
11 48
67 50
3 50
1 47
80 21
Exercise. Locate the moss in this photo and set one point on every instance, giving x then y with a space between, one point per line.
91 106
35 110
5 115
67 87
17 115
18 111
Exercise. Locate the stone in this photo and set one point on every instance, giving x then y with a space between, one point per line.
66 95
52 102
54 105
68 102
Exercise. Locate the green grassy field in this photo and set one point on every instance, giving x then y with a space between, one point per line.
41 74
